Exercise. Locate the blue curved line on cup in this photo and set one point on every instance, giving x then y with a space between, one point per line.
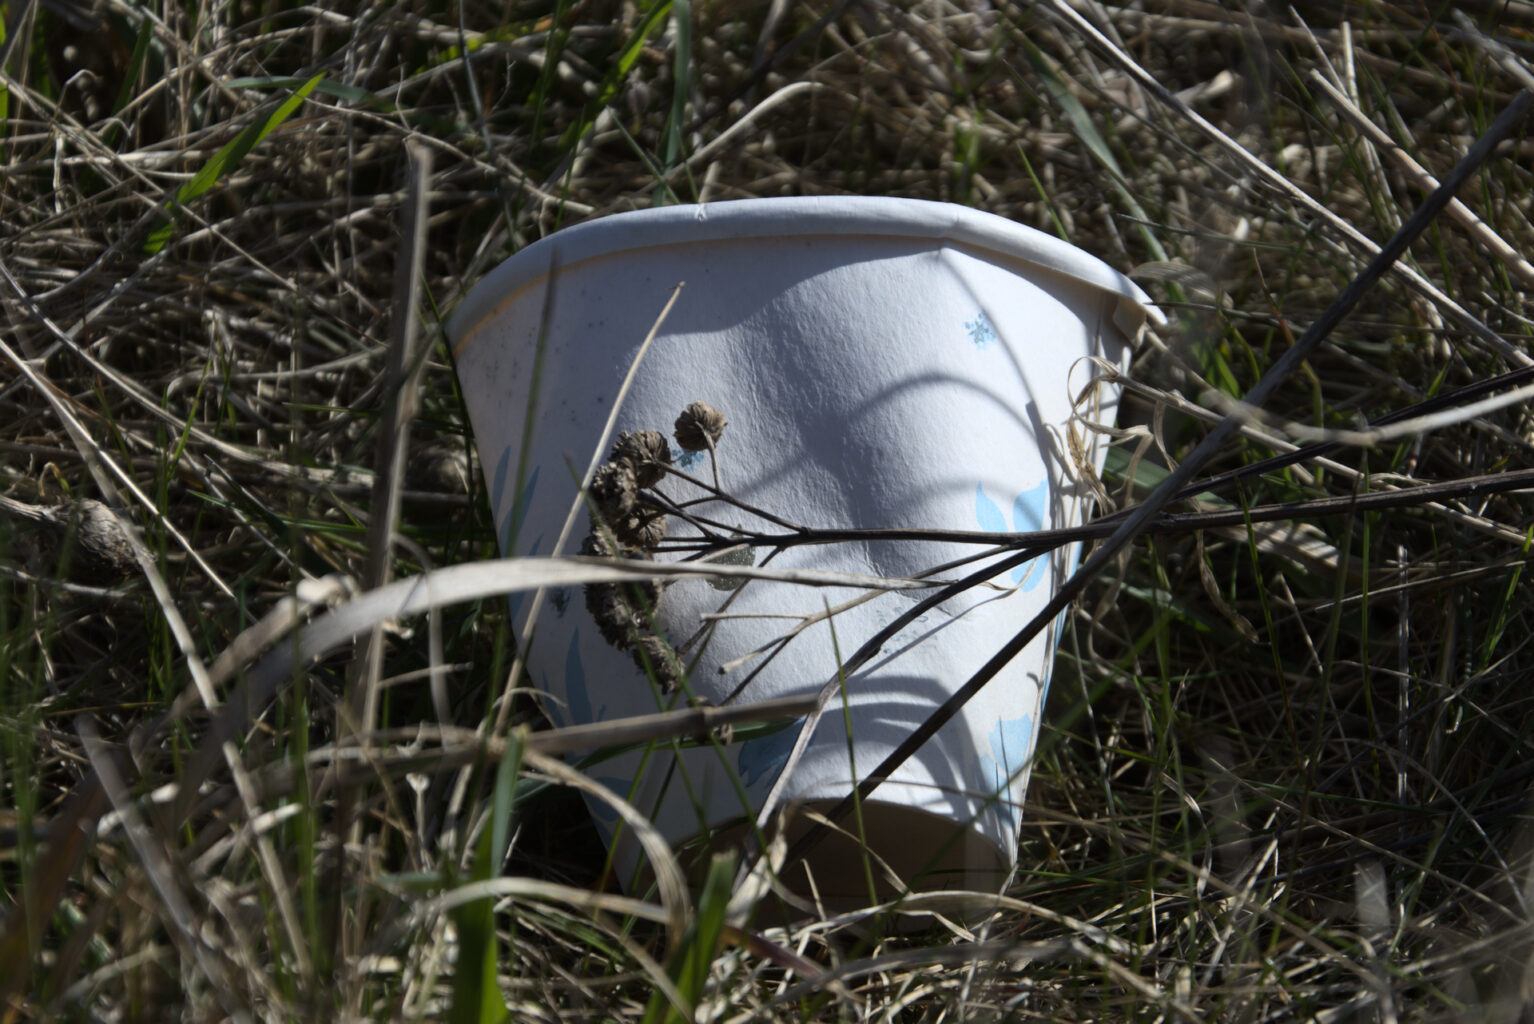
765 757
1027 514
1011 743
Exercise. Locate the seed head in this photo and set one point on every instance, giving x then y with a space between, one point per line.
645 452
622 611
699 427
613 491
616 619
643 529
656 658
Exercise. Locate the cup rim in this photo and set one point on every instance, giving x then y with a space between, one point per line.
786 217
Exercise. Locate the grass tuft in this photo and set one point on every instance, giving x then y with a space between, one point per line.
1286 763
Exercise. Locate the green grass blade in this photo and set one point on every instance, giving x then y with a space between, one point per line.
340 90
671 149
5 95
1081 121
225 160
691 962
476 995
613 80
135 65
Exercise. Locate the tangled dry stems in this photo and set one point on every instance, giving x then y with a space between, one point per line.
1287 768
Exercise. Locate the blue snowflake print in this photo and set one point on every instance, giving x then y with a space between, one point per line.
1027 514
980 330
685 459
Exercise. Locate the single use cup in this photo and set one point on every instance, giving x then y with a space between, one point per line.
881 363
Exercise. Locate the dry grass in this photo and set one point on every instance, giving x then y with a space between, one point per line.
1286 770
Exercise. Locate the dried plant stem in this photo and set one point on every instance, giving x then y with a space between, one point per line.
1495 245
402 383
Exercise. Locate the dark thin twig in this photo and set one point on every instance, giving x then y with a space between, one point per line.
402 395
1315 451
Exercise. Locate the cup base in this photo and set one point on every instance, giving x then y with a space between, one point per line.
917 851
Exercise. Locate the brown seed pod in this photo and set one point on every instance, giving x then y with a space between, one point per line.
645 452
656 658
699 427
645 530
596 545
622 611
613 491
615 617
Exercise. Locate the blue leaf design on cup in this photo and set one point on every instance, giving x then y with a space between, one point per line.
1011 745
511 525
987 513
577 693
603 814
766 756
1027 514
514 601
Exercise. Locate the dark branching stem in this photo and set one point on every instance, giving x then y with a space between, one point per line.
1167 523
721 495
1141 516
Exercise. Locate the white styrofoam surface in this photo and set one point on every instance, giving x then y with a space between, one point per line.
882 363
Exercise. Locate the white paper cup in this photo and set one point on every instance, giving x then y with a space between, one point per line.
882 363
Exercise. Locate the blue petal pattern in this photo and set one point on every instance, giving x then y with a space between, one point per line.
511 523
577 693
514 601
987 513
1027 514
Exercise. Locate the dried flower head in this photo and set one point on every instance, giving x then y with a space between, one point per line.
645 452
613 491
622 611
643 529
597 545
616 618
657 659
699 427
